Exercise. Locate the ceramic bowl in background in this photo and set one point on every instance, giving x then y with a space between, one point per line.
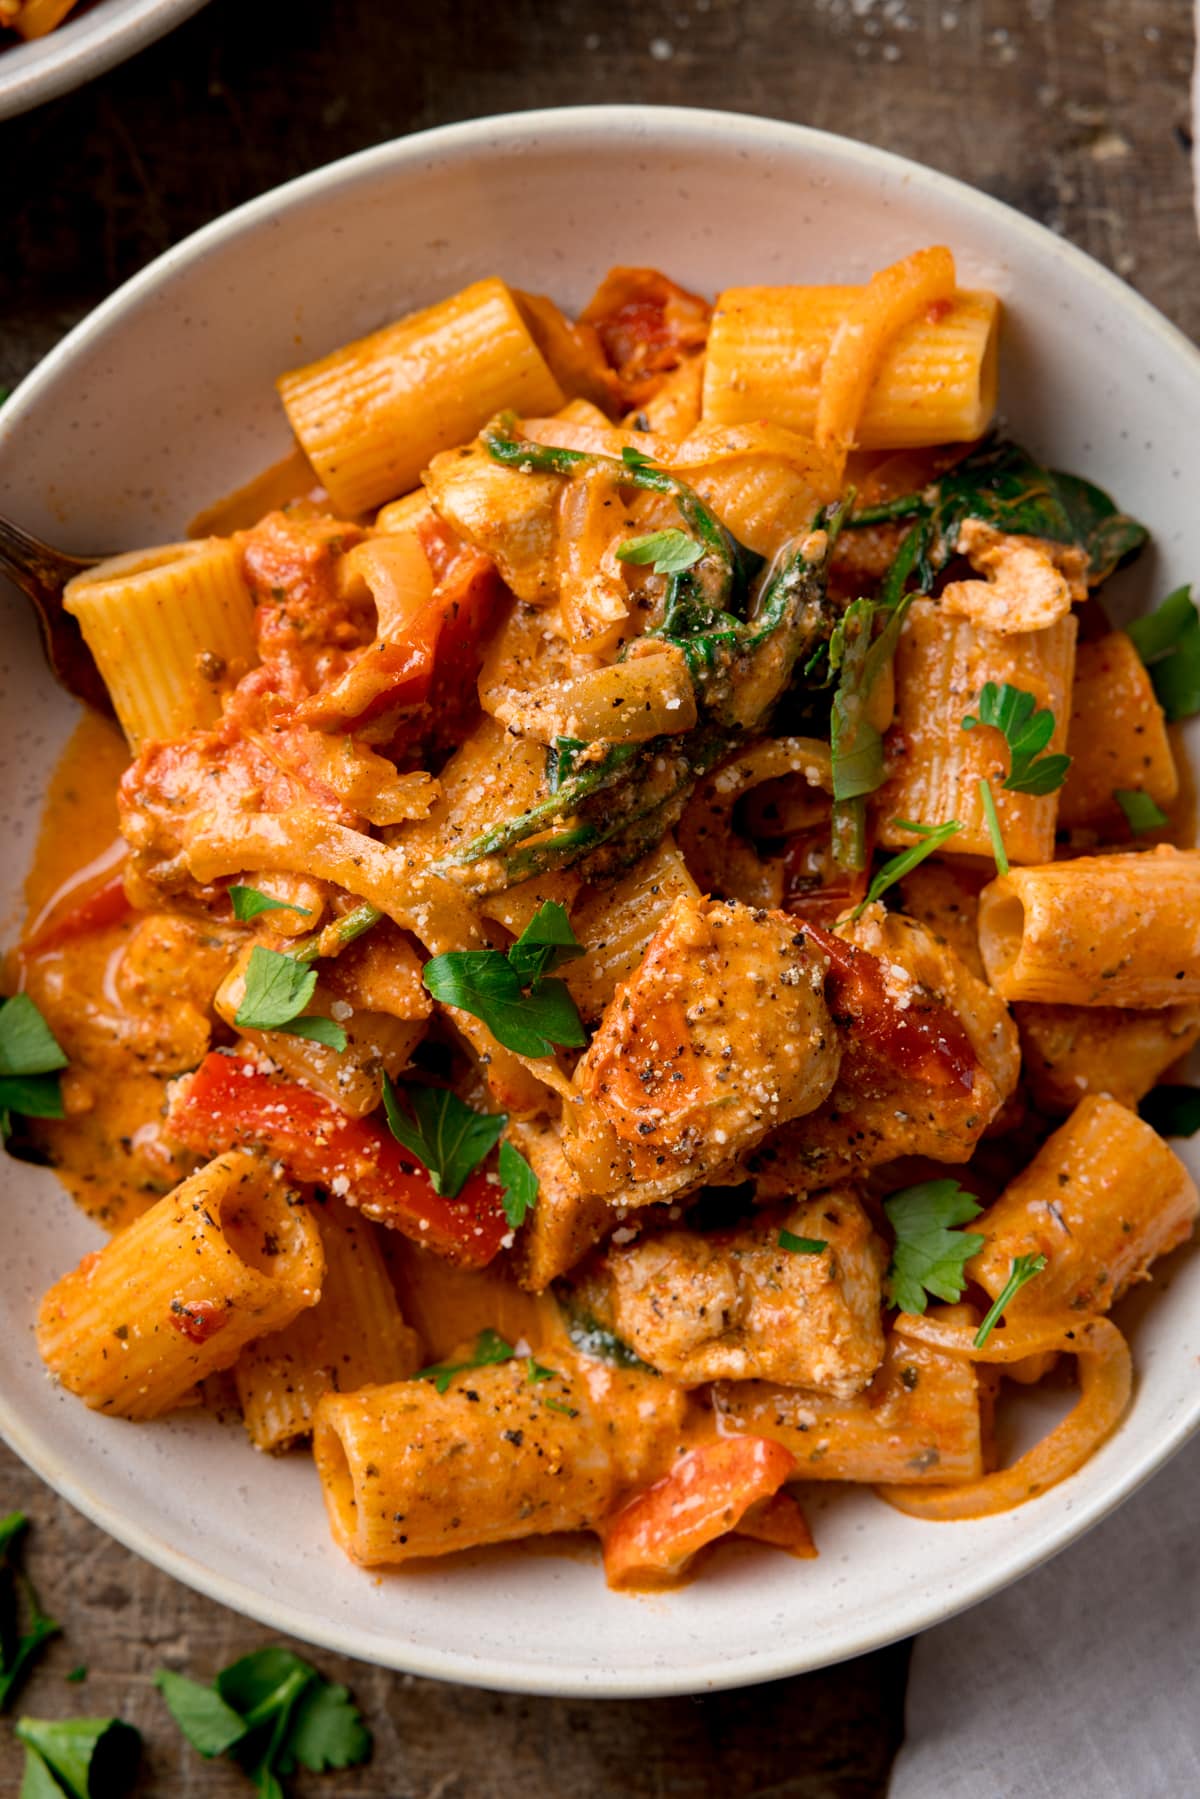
83 46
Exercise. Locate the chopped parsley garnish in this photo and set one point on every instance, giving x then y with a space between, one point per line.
1172 1110
30 1059
557 1405
520 1185
528 1012
24 1626
635 458
277 990
536 1372
1014 713
249 902
1141 812
446 1135
932 838
490 1348
801 1246
89 1758
993 824
272 1712
78 1674
1024 1268
930 1253
591 1338
671 551
1168 642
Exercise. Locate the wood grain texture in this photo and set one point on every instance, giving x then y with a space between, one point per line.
1074 111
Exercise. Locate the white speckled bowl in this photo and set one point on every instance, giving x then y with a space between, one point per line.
83 46
163 400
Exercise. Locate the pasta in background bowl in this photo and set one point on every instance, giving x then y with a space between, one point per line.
1080 352
48 47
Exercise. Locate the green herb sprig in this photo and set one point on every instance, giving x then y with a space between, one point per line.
446 1135
24 1626
87 1758
278 988
514 993
250 902
1168 642
801 1246
930 1252
271 1712
490 1349
895 869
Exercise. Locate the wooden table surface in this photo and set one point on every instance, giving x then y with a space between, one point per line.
1074 111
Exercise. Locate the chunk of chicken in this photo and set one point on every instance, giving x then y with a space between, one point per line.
566 1222
931 1056
736 1305
718 1036
1029 582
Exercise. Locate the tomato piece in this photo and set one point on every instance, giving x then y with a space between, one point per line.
227 1103
924 1039
106 905
706 1495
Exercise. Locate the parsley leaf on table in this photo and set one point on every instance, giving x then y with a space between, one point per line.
446 1135
520 1185
492 985
490 1348
271 1710
89 1758
24 1627
1013 712
929 1253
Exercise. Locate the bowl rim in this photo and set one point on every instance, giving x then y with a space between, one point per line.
82 48
675 126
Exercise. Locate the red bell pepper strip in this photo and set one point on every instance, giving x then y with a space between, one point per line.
228 1104
651 1540
780 1522
106 905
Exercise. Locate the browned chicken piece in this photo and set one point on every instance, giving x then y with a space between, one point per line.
719 1035
739 1305
931 1056
566 1222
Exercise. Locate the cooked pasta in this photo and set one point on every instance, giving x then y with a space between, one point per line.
517 1065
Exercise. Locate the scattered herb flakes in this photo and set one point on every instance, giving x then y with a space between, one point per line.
1024 1269
490 1348
801 1246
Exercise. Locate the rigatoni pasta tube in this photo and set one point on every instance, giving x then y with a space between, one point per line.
1103 1196
372 414
942 665
1070 1051
936 381
920 1417
1117 737
408 1471
353 1337
1118 930
171 631
230 1255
